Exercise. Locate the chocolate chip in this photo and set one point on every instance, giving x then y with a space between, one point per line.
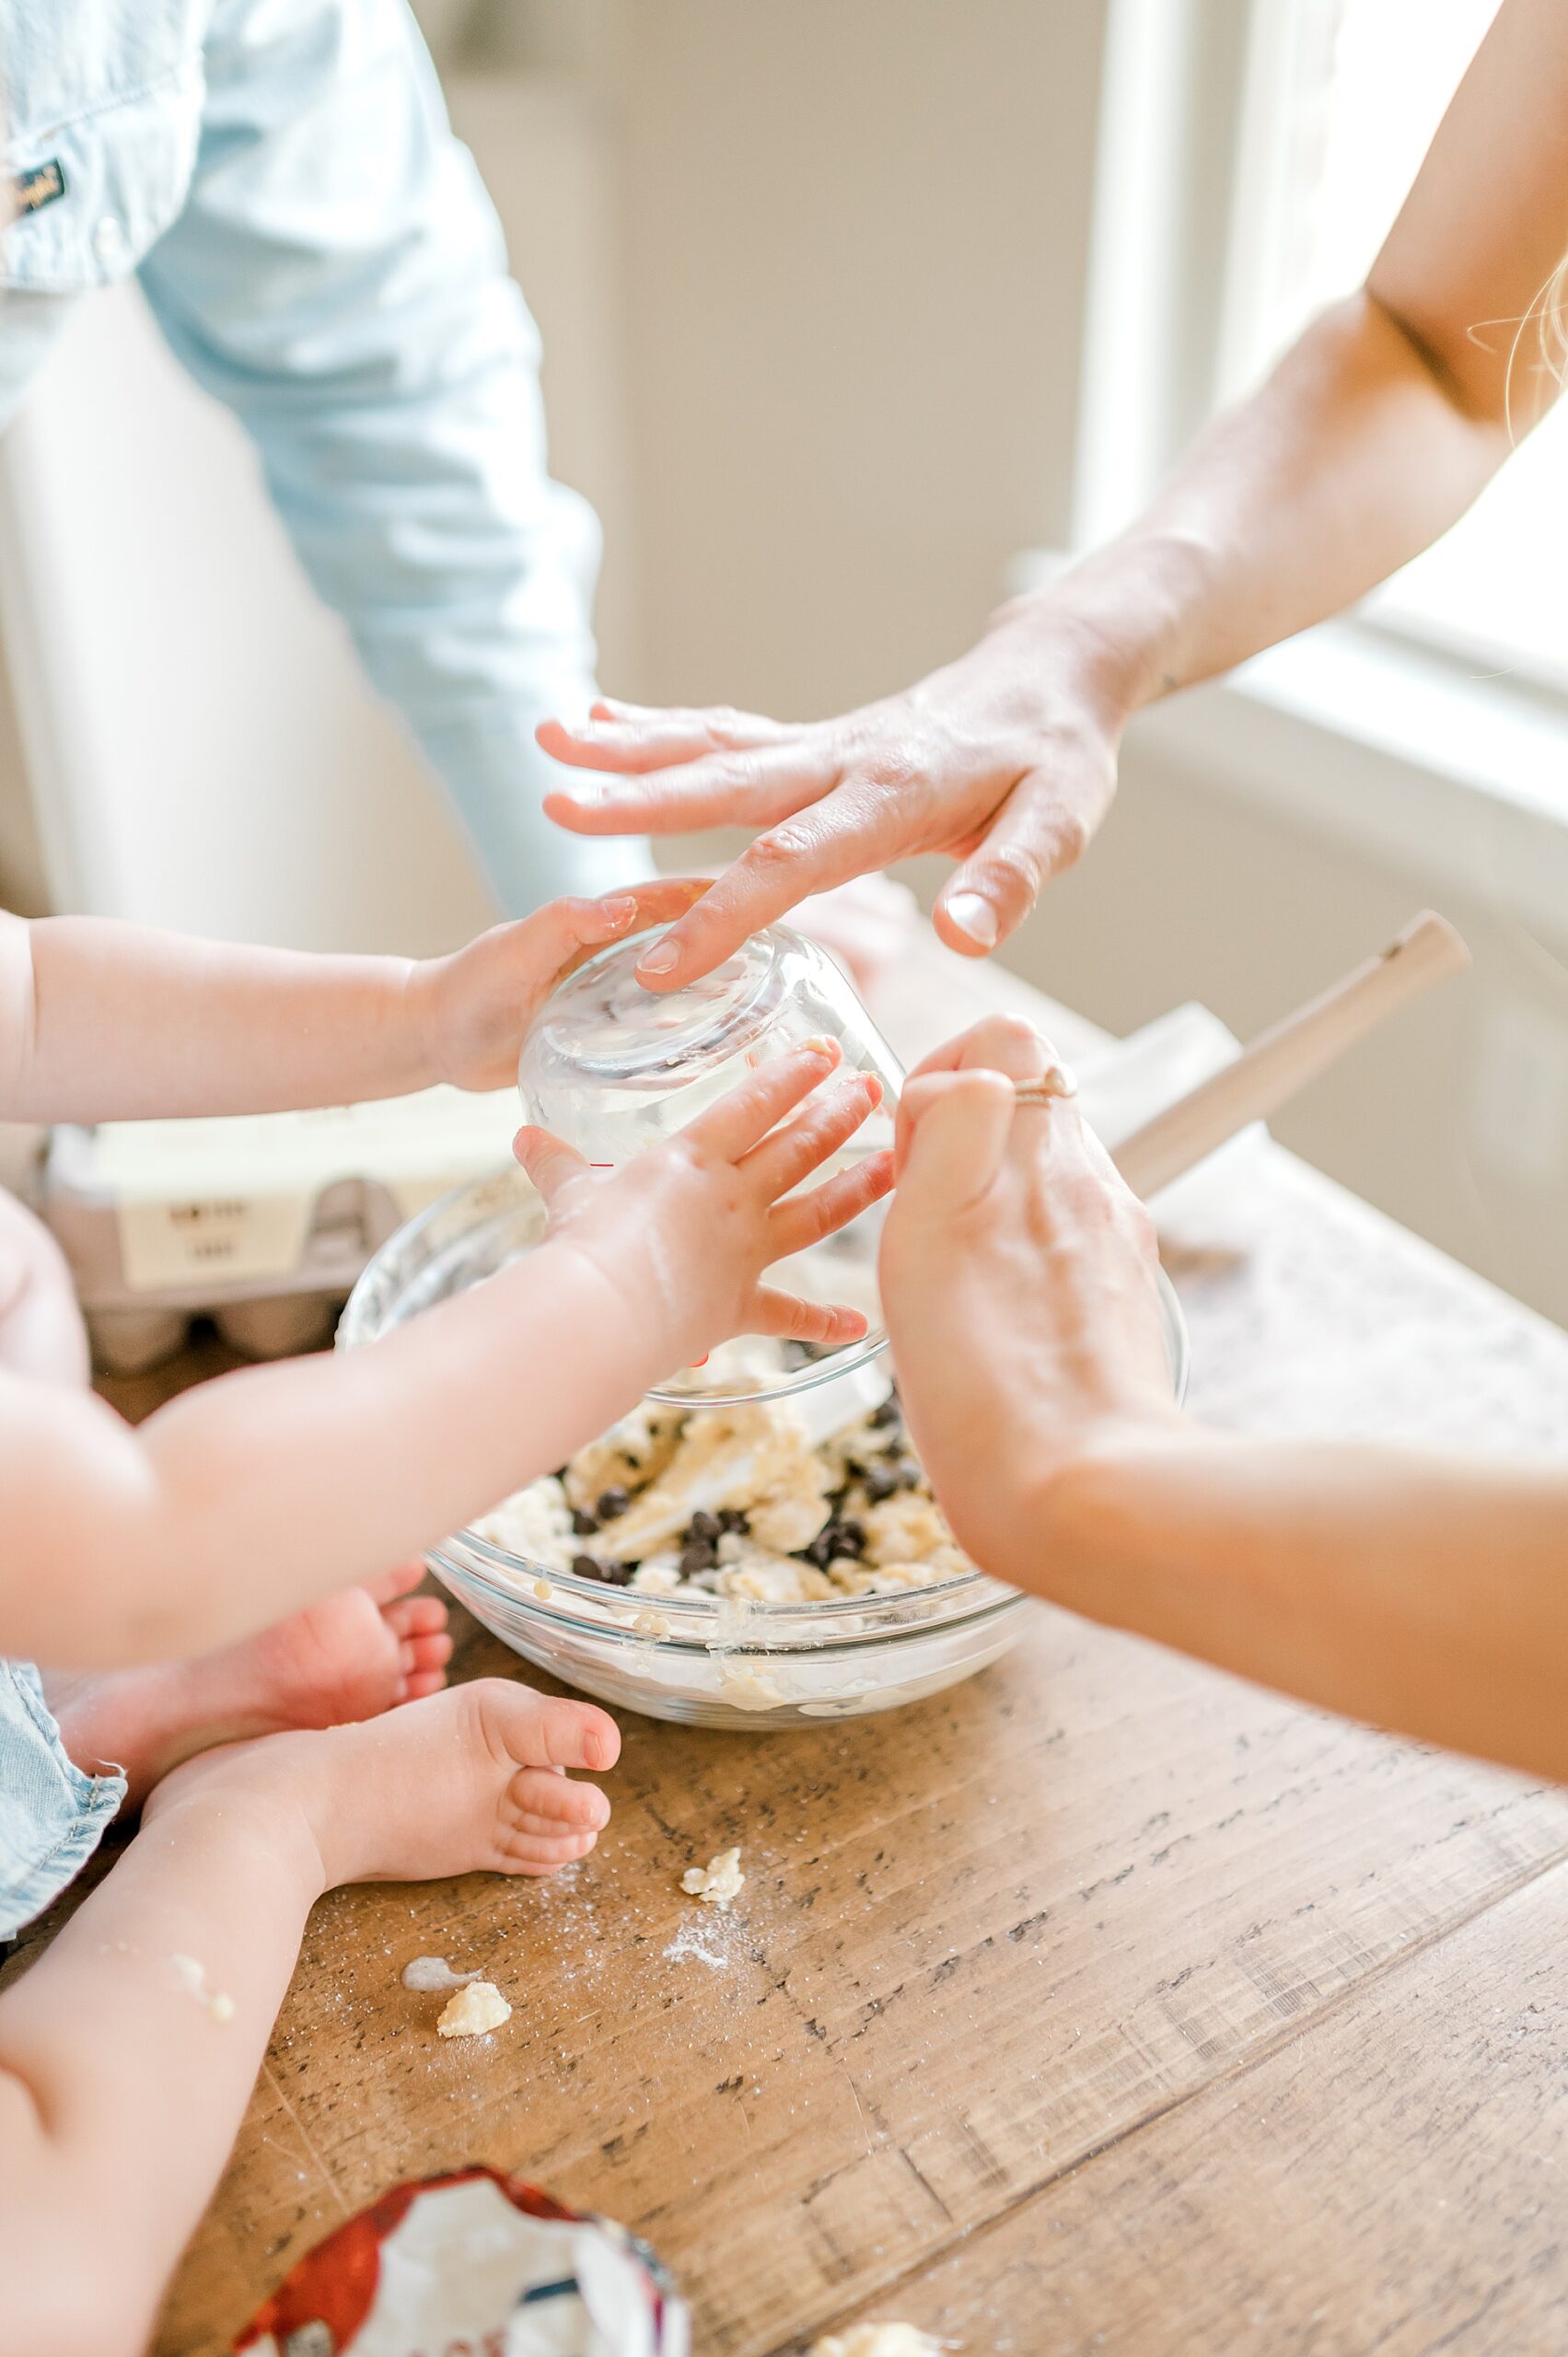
588 1567
819 1552
733 1522
909 1477
887 1413
583 1522
619 1575
848 1537
880 1482
698 1557
704 1525
612 1502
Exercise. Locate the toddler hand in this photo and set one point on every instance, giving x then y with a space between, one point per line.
474 1007
686 1230
1017 1277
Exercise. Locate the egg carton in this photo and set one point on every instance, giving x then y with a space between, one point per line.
261 1223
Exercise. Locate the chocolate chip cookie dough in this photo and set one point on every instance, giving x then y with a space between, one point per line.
740 1504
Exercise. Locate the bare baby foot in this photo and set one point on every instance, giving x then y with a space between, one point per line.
350 1657
466 1781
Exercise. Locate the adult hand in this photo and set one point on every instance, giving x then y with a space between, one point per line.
1019 1280
1004 760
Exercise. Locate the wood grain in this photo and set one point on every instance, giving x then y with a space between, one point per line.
980 1940
1392 2183
1101 1996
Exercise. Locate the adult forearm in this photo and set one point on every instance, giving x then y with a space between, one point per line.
1421 1593
1353 457
115 1021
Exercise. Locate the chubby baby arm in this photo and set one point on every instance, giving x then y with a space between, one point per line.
102 1021
248 1497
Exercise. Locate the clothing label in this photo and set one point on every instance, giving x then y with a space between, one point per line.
30 191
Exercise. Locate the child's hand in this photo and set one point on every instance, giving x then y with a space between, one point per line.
685 1231
474 1007
1017 1277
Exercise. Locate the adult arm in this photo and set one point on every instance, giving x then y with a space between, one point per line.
1372 437
337 276
1423 1591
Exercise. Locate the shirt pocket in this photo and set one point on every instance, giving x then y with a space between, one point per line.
127 166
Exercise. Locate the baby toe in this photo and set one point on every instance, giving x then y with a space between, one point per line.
557 1800
426 1651
572 1735
415 1616
527 1854
395 1584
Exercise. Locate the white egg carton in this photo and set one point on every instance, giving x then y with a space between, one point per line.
261 1222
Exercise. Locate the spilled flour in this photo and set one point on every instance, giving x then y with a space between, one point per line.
688 1942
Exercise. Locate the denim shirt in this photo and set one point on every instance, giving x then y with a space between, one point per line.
319 251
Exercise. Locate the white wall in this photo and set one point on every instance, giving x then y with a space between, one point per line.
856 239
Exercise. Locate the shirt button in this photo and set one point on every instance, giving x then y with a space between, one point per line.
108 239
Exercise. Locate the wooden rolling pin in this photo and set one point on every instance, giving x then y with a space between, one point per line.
1288 1055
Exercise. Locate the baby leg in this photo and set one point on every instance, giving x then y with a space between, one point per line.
129 2051
42 1333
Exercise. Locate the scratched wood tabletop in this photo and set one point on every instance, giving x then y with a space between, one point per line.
1101 2003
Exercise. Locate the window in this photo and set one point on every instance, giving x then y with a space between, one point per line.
1343 98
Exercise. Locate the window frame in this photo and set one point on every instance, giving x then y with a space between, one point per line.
1407 740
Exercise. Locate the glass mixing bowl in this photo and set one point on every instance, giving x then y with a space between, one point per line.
613 1068
701 1660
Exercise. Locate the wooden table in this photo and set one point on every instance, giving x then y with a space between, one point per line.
1101 2004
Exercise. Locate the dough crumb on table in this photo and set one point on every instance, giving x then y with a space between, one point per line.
470 2012
428 1973
716 1883
879 2340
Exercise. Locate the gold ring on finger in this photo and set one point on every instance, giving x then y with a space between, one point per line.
1041 1088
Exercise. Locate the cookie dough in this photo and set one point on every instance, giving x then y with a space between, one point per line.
428 1973
745 1506
472 2011
192 1976
716 1883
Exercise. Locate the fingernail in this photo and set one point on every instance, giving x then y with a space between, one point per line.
618 912
662 958
826 1052
974 916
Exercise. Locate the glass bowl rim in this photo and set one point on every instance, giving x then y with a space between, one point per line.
767 1617
700 1611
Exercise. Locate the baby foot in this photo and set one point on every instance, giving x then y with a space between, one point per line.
350 1657
466 1781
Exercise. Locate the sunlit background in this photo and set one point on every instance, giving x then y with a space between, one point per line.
856 312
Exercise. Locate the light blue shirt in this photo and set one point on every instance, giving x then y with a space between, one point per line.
319 252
